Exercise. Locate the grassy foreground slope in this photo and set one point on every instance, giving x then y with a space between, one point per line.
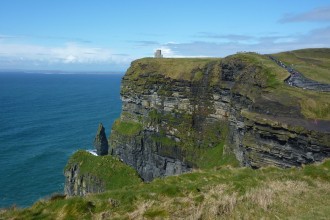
313 63
218 193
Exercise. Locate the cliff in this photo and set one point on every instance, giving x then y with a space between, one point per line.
86 173
179 114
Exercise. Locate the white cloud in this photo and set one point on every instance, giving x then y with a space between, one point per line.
166 51
225 37
317 14
265 44
70 59
68 53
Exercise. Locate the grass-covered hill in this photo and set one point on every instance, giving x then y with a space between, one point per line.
218 193
313 63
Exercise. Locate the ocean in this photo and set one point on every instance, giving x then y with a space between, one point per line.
45 118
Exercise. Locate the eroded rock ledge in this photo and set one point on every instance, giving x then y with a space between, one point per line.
178 114
86 173
80 185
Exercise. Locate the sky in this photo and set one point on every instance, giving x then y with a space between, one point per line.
106 35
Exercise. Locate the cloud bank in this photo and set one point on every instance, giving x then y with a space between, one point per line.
315 15
237 43
20 54
69 53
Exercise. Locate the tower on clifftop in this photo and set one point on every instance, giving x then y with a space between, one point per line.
158 54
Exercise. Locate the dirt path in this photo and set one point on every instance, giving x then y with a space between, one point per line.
297 79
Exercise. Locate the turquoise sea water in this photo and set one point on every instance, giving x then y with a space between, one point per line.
44 118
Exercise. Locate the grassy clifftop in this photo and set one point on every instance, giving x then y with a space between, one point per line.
107 168
312 104
192 69
260 75
313 63
175 68
221 193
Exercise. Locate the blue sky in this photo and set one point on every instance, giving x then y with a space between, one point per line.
106 35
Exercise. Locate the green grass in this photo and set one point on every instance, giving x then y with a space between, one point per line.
313 105
221 193
153 213
109 169
313 63
267 73
164 141
213 154
175 68
198 76
128 128
214 157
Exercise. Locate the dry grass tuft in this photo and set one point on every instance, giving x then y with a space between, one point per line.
216 203
262 197
137 214
220 203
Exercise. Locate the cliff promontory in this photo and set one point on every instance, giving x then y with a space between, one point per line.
86 174
179 114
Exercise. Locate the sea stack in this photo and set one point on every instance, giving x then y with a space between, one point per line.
101 142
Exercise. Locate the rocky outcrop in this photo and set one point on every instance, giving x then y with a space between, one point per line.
100 141
151 158
80 185
280 141
86 173
171 114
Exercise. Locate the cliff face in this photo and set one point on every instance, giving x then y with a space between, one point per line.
80 185
177 112
86 173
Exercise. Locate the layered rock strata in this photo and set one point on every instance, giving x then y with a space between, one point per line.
80 185
174 109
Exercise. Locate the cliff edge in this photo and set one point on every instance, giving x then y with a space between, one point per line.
86 173
179 114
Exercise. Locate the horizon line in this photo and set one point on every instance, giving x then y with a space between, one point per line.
28 71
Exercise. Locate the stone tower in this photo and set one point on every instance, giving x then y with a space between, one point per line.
158 54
